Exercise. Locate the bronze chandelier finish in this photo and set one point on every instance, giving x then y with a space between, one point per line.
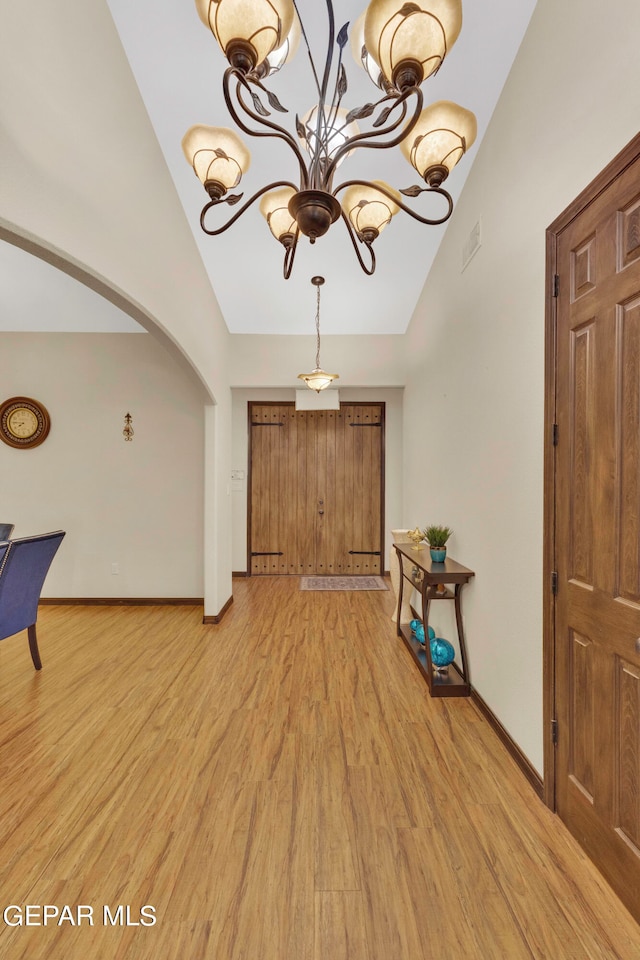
314 205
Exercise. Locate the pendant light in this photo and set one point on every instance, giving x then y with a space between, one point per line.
318 379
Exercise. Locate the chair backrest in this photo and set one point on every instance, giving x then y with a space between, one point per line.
24 565
6 529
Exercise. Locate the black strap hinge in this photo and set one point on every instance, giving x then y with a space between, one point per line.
267 553
554 583
366 553
556 285
554 731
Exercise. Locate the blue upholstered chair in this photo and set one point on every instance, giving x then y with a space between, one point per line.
24 564
6 529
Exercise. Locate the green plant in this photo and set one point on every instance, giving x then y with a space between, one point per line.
437 536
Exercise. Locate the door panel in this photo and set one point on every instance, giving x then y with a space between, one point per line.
360 477
627 472
316 489
582 387
275 533
330 467
597 503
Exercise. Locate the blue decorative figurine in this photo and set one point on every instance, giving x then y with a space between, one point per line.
442 653
417 629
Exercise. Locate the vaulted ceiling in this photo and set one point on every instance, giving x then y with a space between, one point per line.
178 68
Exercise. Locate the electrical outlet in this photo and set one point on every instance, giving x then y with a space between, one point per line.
115 568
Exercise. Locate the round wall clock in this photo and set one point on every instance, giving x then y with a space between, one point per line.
23 422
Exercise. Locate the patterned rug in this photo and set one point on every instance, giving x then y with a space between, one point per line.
342 583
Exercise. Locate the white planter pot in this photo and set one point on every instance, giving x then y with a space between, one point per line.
399 536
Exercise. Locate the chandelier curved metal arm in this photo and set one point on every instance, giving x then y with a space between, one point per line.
409 191
362 139
275 130
369 270
233 199
289 256
397 44
329 58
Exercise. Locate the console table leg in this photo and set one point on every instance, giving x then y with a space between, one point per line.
400 593
461 640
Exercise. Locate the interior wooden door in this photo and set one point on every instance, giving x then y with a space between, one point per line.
316 490
597 545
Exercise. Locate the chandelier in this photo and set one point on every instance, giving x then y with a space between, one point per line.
400 45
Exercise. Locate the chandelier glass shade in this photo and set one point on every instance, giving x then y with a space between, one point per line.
411 36
369 210
399 44
443 133
361 55
274 207
218 157
324 135
247 30
286 51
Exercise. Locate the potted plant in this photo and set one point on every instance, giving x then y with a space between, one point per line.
437 538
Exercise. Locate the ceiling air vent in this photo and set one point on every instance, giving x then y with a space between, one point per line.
472 245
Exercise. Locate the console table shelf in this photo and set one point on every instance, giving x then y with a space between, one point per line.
455 682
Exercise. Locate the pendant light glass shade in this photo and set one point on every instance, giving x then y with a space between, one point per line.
261 25
318 379
274 207
217 155
334 131
369 210
442 135
422 33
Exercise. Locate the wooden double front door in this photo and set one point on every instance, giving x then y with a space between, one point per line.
594 499
316 489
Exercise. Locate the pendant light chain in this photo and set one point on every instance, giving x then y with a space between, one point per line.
317 327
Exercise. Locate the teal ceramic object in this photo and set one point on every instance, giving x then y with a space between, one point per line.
417 629
442 652
438 555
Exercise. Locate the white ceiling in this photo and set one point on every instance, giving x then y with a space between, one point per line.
178 68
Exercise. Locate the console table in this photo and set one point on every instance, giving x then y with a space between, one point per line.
426 579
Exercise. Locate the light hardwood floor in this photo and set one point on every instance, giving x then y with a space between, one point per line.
278 787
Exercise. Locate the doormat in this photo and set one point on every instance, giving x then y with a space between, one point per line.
342 583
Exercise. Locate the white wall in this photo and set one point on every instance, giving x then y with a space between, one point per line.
475 347
138 504
276 361
84 181
393 458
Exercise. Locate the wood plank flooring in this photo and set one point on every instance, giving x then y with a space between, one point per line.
277 787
